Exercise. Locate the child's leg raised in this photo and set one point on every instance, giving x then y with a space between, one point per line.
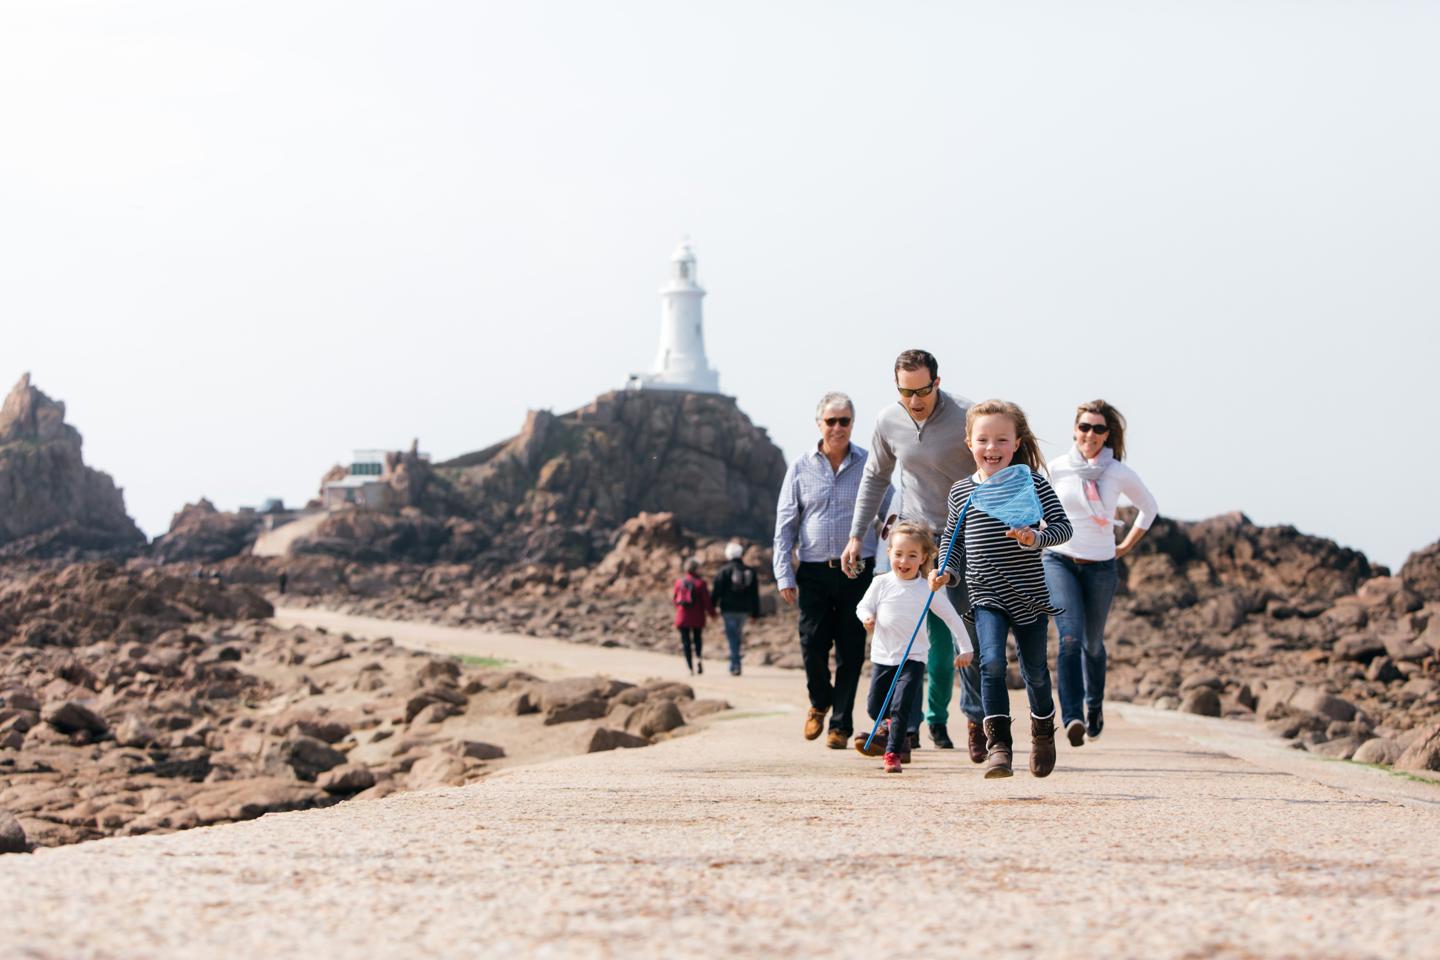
880 677
1030 639
907 694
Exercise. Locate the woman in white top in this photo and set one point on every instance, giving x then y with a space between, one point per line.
1080 574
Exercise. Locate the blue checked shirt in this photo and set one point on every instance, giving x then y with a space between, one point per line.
817 504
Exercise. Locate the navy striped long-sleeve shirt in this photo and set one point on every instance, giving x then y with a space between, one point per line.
999 572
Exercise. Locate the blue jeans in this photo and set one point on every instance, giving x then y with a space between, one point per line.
902 704
734 630
1084 591
1031 638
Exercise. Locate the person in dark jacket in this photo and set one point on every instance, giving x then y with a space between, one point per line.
692 604
737 594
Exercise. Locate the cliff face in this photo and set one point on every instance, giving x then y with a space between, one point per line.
51 504
696 456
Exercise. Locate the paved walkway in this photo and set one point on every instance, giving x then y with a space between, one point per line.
1170 837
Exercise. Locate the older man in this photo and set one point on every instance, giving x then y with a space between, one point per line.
815 511
924 435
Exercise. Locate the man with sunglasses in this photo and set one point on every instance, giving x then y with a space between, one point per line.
816 506
924 435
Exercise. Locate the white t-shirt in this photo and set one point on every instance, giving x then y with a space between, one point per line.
1090 541
896 606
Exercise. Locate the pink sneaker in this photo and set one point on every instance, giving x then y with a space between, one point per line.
892 763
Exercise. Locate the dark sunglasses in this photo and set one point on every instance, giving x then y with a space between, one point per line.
831 421
1099 428
918 391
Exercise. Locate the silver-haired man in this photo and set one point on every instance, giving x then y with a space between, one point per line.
813 518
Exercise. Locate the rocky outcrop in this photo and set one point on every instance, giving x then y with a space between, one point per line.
695 456
51 504
202 534
1223 617
1421 572
557 493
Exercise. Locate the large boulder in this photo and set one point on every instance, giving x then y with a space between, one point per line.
203 534
12 836
1421 572
1423 752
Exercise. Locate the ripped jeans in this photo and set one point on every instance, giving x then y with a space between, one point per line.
1083 591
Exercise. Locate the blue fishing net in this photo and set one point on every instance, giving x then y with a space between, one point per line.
1009 496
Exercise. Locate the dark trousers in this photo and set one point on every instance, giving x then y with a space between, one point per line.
827 620
689 636
902 703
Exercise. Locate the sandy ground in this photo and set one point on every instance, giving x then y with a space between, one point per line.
1172 836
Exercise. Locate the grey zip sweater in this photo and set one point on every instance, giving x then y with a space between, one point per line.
931 455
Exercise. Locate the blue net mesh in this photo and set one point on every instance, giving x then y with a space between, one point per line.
1009 496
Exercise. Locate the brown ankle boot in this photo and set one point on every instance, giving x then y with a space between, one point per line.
998 747
1042 745
976 734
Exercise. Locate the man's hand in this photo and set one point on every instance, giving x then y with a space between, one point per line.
938 580
788 595
964 660
1025 536
850 559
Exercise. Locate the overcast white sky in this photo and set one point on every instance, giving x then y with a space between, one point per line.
239 239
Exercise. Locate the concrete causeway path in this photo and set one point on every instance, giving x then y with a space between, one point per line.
1170 837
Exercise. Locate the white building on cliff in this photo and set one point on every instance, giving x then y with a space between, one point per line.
680 362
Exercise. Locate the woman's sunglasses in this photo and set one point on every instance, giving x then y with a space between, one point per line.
1096 427
832 421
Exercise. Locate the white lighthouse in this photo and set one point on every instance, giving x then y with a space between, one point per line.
680 362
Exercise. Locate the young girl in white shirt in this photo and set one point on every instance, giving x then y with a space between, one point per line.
890 610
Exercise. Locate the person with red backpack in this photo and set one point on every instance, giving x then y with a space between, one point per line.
692 604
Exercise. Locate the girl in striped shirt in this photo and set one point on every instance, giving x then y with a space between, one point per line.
1006 580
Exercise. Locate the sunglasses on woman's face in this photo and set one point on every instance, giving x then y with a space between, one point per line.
1099 428
924 391
832 421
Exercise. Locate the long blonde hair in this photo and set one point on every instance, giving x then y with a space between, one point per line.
1028 449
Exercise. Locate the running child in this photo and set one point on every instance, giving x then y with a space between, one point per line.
891 608
1006 581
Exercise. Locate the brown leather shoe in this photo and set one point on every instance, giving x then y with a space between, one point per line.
976 735
814 723
835 739
1042 745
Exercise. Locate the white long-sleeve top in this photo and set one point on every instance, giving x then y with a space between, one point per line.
1091 541
896 606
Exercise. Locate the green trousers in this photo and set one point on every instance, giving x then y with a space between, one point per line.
940 671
